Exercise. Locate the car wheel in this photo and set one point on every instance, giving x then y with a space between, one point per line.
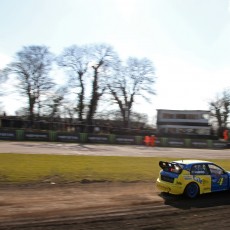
192 190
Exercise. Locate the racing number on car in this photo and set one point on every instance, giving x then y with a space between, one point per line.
220 181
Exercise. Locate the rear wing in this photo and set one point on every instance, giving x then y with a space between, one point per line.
170 167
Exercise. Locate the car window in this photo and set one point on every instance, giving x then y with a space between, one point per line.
199 169
214 169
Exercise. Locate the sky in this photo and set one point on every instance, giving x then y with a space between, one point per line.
188 41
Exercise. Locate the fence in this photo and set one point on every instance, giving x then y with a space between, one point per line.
73 137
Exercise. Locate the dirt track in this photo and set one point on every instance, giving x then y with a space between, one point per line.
108 205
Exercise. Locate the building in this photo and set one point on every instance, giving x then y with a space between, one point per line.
183 122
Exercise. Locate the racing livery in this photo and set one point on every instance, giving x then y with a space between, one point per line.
192 177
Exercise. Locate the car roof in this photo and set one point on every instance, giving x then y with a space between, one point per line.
187 162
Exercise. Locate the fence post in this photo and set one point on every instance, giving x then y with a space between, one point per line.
83 137
138 140
112 138
52 135
165 141
187 143
19 135
210 143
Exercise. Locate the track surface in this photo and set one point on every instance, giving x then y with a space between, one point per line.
109 205
110 150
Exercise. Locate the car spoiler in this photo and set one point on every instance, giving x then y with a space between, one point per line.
170 167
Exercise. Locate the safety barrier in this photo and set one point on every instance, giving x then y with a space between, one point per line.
23 135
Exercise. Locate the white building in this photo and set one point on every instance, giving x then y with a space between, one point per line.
183 122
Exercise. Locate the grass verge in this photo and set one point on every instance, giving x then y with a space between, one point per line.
26 168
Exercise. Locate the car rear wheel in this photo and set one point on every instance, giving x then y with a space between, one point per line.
192 190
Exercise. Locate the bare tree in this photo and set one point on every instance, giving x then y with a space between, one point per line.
135 79
31 66
139 118
220 110
3 78
54 105
104 62
75 60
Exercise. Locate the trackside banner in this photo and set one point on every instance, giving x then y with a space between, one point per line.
104 139
7 135
199 144
36 136
219 145
125 140
21 135
68 137
158 142
176 142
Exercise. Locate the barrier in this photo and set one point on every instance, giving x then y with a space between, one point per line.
103 139
125 140
176 142
67 137
22 135
199 144
7 135
36 136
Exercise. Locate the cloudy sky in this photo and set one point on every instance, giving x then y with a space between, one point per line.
187 40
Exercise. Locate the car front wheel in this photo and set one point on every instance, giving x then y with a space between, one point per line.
192 190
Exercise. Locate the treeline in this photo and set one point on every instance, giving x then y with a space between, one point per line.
98 86
95 75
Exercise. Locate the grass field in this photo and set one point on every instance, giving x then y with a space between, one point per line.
26 168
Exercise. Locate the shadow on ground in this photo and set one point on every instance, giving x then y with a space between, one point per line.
202 201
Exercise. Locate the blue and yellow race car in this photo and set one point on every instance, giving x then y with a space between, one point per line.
192 177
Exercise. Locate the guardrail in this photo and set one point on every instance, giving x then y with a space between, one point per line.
23 135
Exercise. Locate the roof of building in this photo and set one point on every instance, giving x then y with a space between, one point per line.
178 110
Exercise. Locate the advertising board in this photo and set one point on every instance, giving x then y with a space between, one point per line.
199 144
7 135
36 136
176 142
125 140
68 137
98 139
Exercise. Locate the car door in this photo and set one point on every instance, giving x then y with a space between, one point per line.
202 176
219 178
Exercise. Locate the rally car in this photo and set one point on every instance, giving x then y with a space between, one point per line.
192 177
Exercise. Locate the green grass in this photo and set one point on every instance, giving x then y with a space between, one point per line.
25 168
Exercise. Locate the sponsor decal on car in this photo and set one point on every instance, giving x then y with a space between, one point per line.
197 179
188 177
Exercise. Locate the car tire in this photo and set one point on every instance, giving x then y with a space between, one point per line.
192 190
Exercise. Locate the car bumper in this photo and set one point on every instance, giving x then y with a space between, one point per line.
169 188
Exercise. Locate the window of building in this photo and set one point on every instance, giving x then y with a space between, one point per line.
205 116
171 130
202 131
180 116
192 116
167 116
189 131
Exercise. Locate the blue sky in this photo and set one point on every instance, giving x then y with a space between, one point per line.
187 40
